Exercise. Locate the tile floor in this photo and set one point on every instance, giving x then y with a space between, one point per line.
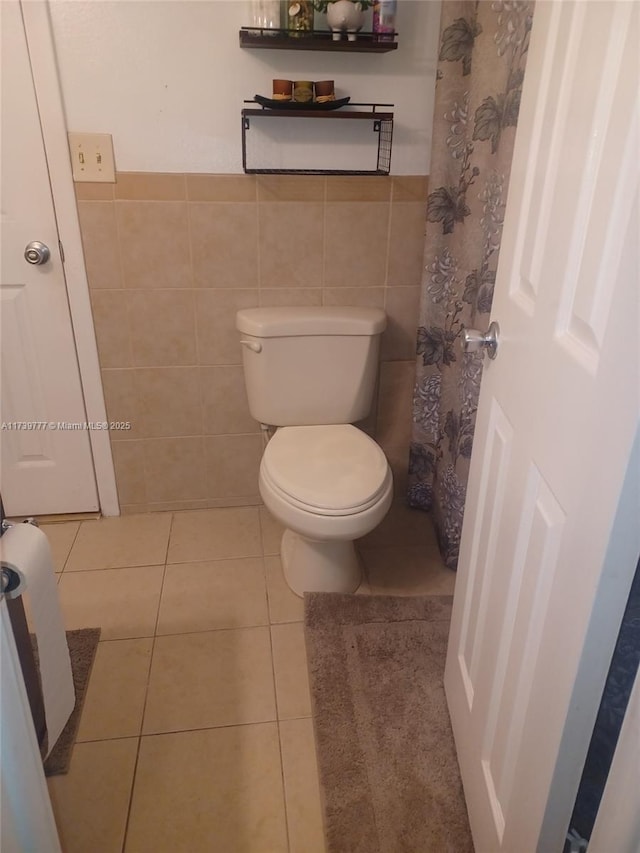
196 735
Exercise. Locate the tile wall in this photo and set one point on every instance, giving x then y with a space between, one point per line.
170 258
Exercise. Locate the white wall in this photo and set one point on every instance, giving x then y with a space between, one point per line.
167 79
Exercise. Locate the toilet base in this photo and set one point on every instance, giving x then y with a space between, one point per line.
314 566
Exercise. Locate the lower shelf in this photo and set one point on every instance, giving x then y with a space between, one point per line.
315 172
382 124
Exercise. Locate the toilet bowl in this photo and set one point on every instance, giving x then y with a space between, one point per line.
328 485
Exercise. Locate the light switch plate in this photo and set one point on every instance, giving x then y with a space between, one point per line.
92 157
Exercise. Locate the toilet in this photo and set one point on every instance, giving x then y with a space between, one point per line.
311 372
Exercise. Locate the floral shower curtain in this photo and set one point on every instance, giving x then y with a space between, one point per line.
483 52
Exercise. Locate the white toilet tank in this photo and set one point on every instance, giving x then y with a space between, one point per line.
307 366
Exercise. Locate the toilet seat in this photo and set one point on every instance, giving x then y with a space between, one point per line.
330 470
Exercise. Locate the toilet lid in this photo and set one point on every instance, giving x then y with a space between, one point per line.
334 469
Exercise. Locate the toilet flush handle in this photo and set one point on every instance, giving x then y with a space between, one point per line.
254 346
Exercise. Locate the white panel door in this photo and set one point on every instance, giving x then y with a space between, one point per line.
556 419
45 468
26 817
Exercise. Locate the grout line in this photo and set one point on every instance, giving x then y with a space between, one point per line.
124 640
155 627
66 559
146 694
388 253
194 309
284 787
275 690
118 639
113 568
217 287
166 553
214 630
140 450
123 284
216 559
133 784
145 200
275 693
196 729
264 574
211 728
102 740
185 435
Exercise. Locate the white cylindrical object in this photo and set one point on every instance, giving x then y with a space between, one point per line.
265 14
25 549
384 19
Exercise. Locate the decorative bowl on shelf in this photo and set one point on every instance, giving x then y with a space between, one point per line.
270 104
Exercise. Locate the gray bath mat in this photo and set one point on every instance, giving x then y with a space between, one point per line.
387 763
83 644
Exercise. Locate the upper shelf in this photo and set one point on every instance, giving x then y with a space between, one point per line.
256 37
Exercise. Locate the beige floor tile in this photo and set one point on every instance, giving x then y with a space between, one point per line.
407 571
290 667
215 534
213 594
117 688
213 678
272 532
402 526
301 787
284 606
91 801
112 543
61 537
212 791
123 602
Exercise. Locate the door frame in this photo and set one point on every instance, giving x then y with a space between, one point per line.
37 25
618 823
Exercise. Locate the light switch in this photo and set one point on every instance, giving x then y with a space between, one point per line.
92 157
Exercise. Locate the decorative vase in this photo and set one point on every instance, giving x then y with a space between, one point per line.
300 17
282 90
265 15
384 19
302 91
345 16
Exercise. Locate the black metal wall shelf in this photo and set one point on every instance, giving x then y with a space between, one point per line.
382 126
255 37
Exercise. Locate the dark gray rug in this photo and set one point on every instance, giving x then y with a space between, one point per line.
83 644
388 770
